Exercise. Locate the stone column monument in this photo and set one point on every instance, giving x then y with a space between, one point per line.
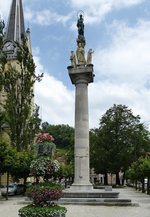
81 74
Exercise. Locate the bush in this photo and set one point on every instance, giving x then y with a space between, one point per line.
38 211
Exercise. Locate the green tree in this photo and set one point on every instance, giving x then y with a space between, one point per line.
139 171
8 160
18 82
98 160
4 144
22 164
146 171
3 59
63 134
120 140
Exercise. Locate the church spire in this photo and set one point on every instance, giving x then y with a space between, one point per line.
15 27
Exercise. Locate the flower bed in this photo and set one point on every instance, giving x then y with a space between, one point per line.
45 193
44 196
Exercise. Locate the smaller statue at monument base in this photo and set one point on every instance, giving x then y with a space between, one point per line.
80 55
73 59
89 56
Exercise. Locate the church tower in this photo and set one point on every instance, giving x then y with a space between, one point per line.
13 35
15 30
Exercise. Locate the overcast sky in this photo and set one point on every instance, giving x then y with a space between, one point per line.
119 33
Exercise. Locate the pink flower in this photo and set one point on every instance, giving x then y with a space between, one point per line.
43 137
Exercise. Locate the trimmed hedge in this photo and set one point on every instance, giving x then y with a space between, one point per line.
38 211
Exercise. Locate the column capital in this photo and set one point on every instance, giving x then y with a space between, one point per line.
81 74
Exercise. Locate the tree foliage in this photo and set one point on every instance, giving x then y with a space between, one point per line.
139 171
18 81
3 58
22 164
120 139
7 156
63 134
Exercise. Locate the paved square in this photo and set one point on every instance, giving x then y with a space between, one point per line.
10 208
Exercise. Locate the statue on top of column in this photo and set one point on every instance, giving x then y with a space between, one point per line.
80 25
80 53
80 40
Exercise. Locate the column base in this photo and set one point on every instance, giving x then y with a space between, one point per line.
80 187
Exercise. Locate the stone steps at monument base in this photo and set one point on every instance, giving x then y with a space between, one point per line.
97 201
90 194
82 201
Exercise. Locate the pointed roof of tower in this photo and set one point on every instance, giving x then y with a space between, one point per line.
15 27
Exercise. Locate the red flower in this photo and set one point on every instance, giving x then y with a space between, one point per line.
43 137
